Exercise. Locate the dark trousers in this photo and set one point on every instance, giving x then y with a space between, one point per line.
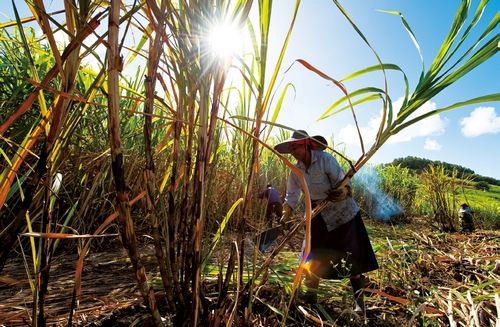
273 209
343 252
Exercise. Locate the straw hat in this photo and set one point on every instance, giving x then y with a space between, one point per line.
317 142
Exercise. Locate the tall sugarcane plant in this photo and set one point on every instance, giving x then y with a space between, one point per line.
175 136
451 63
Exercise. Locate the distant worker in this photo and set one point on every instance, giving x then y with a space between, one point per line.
465 217
273 206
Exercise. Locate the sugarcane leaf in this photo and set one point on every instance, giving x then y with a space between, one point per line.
474 22
17 186
420 97
411 34
280 57
219 232
382 67
458 22
374 68
384 111
328 112
4 155
27 51
279 104
486 98
67 219
483 285
245 118
368 98
483 54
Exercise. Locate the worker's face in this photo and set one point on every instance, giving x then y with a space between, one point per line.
299 151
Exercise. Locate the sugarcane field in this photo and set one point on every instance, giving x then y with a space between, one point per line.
249 163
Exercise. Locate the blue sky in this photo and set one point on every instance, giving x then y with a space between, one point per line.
468 136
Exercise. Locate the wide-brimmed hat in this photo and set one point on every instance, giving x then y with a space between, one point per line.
317 142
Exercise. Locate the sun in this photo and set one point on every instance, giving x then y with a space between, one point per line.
225 40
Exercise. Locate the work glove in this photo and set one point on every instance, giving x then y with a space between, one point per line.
339 194
285 214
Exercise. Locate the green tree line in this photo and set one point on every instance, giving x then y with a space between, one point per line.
418 165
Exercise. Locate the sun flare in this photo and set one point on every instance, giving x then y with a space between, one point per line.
225 40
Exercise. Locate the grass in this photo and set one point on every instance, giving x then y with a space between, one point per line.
485 204
427 277
484 198
421 273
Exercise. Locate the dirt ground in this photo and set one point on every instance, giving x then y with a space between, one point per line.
110 296
108 291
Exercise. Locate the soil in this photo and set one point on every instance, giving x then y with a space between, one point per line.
109 294
110 297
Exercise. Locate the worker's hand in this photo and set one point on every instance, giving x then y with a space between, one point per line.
285 214
339 194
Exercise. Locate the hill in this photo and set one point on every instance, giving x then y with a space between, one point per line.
419 164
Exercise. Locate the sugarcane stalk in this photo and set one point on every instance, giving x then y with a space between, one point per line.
117 161
149 170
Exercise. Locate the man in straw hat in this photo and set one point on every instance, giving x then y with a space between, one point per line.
340 246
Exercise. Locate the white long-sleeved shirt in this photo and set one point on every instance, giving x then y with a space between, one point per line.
323 174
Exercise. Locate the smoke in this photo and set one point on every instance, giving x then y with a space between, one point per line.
383 207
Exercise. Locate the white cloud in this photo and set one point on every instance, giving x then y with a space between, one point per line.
431 144
349 134
482 120
433 125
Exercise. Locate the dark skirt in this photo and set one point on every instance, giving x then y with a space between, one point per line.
343 252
